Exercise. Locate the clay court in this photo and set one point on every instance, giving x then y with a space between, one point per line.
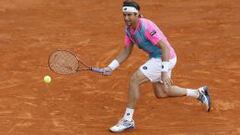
205 35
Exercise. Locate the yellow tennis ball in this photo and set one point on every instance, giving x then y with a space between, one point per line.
47 79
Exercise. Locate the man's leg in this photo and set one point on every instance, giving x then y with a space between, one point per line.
175 91
158 89
133 95
201 93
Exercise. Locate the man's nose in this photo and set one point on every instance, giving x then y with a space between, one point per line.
126 17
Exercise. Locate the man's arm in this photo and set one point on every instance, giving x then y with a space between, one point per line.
123 55
165 63
165 51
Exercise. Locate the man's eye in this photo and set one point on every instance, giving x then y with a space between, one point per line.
127 14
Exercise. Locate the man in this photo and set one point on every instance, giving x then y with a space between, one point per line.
162 59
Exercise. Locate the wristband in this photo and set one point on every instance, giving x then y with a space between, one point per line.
165 66
114 64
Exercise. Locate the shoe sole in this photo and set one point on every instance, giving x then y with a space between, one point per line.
132 127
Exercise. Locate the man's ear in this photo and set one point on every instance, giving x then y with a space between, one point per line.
136 14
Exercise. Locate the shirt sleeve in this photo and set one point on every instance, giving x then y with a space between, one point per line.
128 42
153 33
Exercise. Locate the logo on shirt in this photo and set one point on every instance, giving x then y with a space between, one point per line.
153 33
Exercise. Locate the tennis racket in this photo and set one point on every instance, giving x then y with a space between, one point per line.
66 62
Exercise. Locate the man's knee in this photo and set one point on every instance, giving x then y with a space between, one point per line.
159 91
162 95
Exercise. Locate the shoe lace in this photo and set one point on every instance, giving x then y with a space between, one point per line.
122 122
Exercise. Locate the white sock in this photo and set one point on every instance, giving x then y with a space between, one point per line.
128 114
192 93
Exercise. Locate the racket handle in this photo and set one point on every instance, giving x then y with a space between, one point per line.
98 70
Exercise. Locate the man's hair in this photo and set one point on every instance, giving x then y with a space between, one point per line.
131 3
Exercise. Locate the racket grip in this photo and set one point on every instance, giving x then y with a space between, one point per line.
98 70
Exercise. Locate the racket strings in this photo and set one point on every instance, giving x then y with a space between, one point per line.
63 62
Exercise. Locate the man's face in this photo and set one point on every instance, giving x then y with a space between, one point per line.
130 18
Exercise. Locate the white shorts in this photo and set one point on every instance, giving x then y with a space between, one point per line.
152 69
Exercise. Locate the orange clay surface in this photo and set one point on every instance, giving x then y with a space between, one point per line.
205 35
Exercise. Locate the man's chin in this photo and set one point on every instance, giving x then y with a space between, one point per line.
129 24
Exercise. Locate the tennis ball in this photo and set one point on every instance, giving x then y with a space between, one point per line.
47 79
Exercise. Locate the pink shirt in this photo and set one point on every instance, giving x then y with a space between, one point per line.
146 36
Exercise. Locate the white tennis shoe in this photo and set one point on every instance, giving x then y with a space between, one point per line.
122 125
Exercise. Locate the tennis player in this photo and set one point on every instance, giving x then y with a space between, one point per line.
162 58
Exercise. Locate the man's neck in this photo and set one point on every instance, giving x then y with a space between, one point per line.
134 26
